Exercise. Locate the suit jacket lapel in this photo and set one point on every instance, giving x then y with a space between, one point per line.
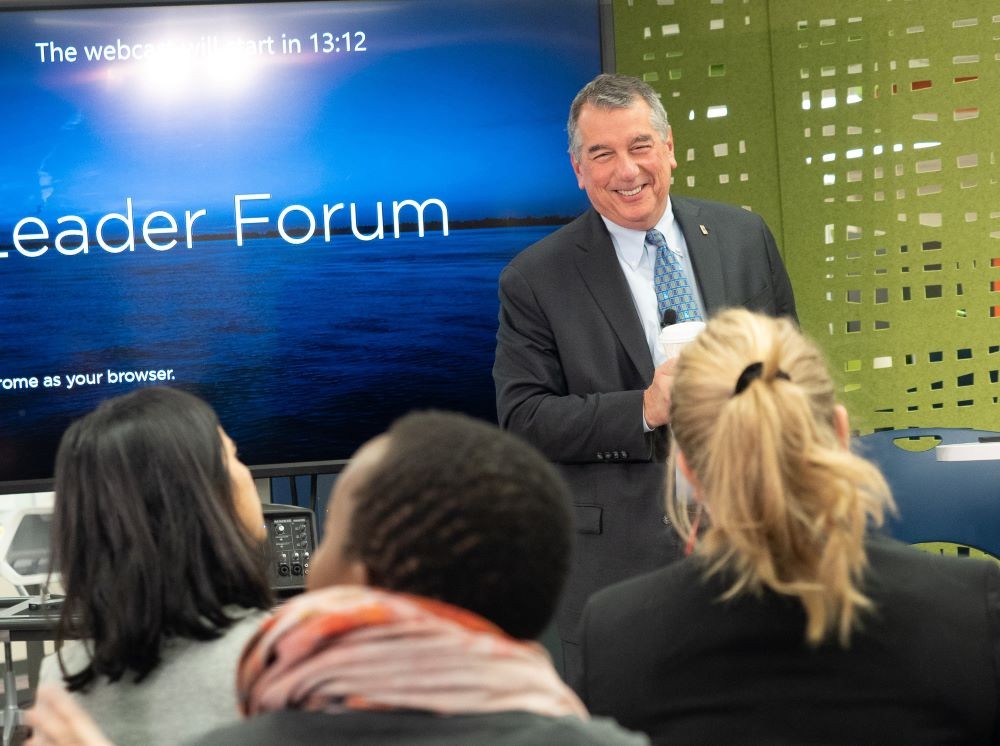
704 253
598 265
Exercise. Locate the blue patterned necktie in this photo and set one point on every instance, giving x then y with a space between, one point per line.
670 281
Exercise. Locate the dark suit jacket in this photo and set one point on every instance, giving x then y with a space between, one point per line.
572 363
663 655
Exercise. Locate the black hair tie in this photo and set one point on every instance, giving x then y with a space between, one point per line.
751 373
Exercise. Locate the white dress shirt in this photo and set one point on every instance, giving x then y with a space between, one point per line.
638 262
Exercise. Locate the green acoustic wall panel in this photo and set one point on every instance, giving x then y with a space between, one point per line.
884 119
711 64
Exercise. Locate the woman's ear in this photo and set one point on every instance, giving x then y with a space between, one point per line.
682 464
842 425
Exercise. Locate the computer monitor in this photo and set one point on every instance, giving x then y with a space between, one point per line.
296 210
25 546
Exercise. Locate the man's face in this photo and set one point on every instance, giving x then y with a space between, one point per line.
329 565
624 164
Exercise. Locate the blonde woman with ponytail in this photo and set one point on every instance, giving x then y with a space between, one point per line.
792 620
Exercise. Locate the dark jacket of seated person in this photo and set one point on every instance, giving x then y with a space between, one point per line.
792 621
446 547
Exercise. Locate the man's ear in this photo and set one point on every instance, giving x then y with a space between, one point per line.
576 170
671 155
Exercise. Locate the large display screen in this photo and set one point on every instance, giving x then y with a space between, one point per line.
297 211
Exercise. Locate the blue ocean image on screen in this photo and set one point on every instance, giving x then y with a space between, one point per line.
304 347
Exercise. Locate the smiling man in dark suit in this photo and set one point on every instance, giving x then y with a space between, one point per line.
578 372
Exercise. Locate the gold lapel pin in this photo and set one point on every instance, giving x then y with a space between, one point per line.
704 230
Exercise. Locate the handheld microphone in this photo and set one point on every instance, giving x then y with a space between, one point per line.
669 318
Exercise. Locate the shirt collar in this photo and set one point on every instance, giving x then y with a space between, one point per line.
631 244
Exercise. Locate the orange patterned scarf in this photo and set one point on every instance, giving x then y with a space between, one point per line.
354 648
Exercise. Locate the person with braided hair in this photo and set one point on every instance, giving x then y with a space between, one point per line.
792 619
446 546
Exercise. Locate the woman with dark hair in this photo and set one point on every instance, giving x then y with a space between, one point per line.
793 620
157 534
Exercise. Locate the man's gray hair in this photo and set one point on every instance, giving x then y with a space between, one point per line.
609 91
